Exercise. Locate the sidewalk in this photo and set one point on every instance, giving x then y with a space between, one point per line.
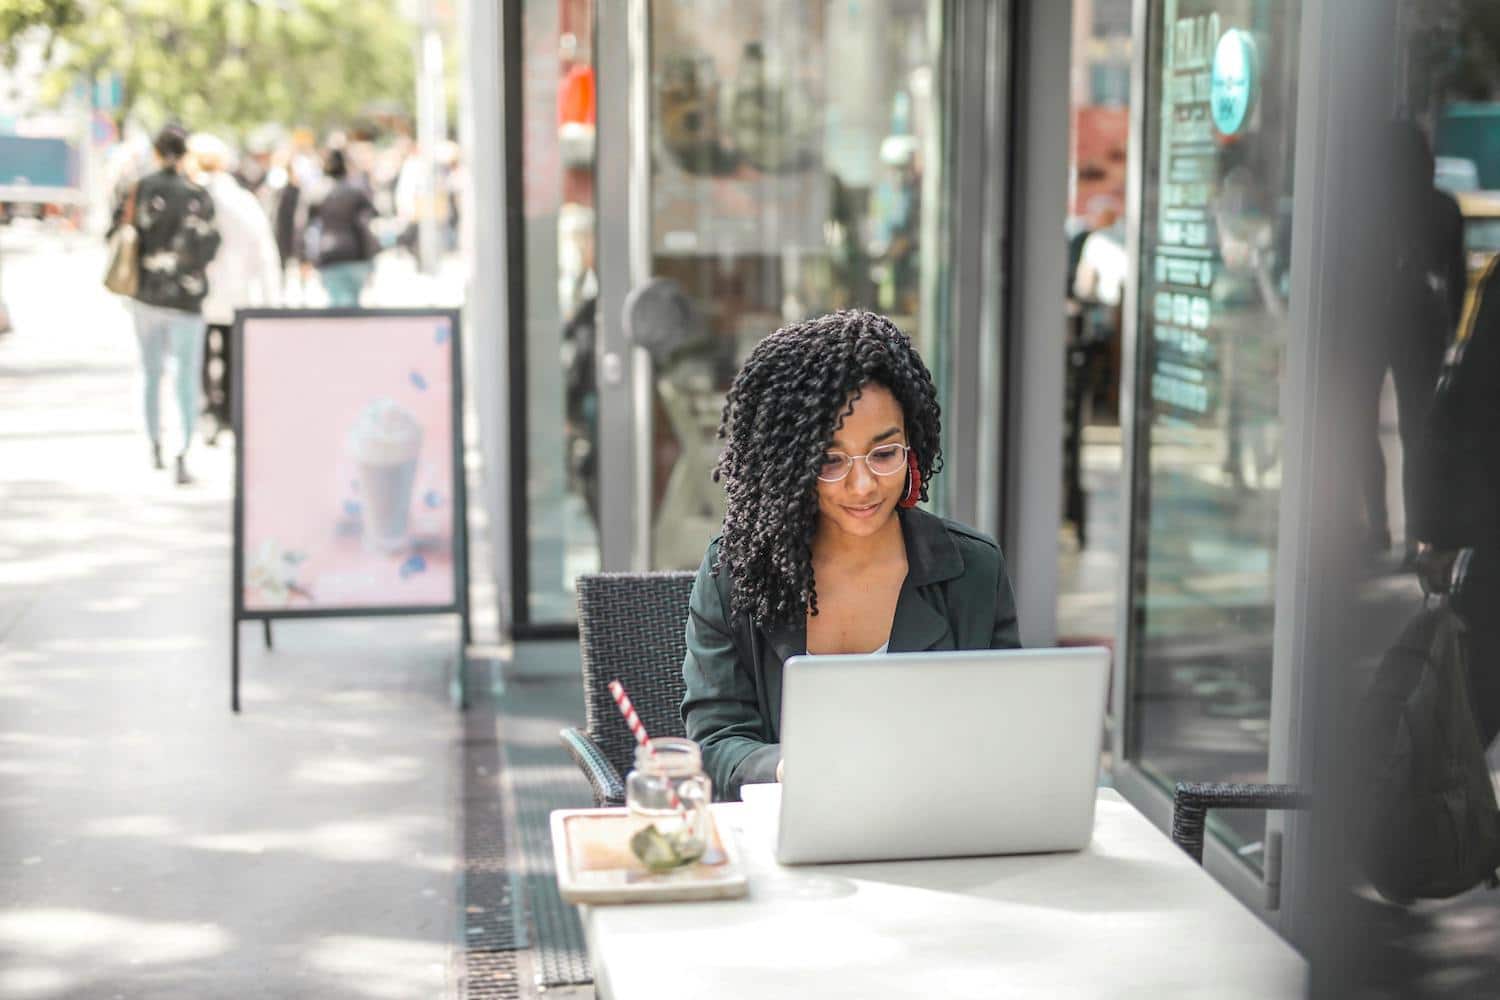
151 843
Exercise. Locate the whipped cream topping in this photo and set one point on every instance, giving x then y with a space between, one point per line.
385 434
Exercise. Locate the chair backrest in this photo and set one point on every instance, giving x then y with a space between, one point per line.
631 628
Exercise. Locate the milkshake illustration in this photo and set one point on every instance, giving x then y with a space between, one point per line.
385 443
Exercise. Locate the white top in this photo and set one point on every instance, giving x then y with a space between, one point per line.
247 269
1130 916
885 647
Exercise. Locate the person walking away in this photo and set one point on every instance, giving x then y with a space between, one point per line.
177 239
1457 524
1422 280
423 194
245 272
345 243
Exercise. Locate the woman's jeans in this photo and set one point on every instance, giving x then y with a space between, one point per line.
164 333
345 281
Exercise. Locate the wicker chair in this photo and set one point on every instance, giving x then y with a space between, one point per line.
631 628
1193 799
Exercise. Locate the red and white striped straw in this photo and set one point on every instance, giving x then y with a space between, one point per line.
622 701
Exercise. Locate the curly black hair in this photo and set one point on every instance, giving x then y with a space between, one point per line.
794 391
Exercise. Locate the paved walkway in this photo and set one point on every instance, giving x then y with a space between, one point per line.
152 844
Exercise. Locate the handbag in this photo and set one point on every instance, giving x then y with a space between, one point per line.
1426 823
123 274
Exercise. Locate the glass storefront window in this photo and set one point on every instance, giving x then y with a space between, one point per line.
1214 282
796 169
557 258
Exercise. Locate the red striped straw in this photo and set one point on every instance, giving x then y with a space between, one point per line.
622 701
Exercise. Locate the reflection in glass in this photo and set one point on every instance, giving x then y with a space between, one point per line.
1428 361
1090 544
795 160
558 118
1215 255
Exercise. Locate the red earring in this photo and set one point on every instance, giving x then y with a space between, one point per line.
913 481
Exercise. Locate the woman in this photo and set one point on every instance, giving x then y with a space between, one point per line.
178 237
245 272
341 243
833 438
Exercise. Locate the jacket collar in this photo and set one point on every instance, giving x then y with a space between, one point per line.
931 557
931 554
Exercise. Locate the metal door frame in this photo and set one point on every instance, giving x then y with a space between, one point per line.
515 524
1289 741
623 199
1139 788
1033 271
978 77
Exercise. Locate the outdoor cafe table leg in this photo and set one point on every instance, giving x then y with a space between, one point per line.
267 624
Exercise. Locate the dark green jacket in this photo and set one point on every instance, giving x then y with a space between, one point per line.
956 596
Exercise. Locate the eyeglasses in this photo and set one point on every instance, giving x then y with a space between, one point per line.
887 460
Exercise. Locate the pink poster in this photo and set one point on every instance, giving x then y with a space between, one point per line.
347 472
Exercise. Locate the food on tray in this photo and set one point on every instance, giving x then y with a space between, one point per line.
662 852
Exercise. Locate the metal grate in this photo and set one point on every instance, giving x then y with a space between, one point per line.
493 924
542 779
521 939
492 907
491 975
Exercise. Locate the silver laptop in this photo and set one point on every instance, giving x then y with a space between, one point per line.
930 755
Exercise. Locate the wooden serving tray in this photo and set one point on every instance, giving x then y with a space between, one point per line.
591 848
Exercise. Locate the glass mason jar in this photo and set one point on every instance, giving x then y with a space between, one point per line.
668 833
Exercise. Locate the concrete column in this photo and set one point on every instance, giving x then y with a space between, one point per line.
1034 391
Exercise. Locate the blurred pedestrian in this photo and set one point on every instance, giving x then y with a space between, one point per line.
252 169
177 239
245 272
410 195
1097 263
424 195
296 181
450 184
286 208
1458 521
1422 282
341 241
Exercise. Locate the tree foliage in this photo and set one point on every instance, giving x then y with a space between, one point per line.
228 64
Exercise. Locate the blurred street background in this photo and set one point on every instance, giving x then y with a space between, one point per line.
150 845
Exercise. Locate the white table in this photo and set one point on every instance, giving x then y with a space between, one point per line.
1131 916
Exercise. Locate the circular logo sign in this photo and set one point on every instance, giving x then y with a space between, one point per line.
1232 81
